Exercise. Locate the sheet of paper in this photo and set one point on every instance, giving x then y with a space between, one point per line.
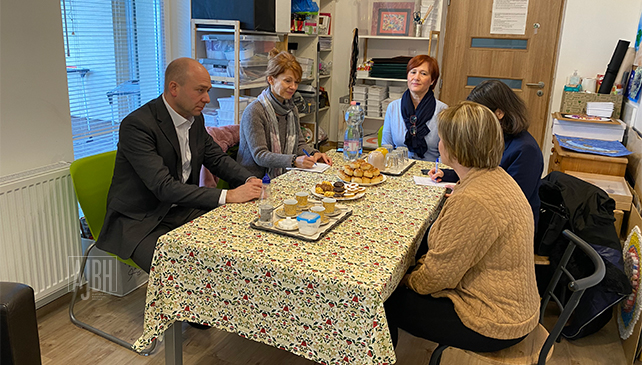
509 17
424 180
320 167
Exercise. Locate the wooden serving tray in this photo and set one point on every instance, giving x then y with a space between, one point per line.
334 221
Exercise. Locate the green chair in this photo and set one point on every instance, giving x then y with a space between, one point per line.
91 177
379 134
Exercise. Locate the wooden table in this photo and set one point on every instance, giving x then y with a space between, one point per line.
321 300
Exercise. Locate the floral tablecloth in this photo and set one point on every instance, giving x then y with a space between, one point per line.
321 300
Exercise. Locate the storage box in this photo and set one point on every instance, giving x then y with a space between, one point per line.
263 15
105 273
615 186
564 160
575 102
227 104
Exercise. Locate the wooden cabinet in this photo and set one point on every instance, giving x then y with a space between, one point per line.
565 160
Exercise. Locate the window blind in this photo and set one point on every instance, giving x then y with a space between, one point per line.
115 54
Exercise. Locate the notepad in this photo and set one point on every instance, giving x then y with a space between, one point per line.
420 180
320 167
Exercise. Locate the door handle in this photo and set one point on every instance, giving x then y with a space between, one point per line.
539 84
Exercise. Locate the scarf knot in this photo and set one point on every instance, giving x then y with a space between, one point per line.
416 121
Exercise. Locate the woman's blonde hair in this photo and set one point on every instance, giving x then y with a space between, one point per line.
279 62
472 135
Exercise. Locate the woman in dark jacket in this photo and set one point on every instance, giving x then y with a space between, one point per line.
522 158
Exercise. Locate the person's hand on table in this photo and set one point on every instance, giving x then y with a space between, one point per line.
320 156
246 192
305 162
435 176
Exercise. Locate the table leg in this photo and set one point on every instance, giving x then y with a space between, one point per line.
174 344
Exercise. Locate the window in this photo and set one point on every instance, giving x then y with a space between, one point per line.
115 57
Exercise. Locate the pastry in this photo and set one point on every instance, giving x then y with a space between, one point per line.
354 165
375 172
339 184
356 179
343 176
358 172
376 179
367 173
365 180
366 166
348 194
339 189
348 170
352 186
328 194
318 190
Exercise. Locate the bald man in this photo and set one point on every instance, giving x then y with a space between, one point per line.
161 149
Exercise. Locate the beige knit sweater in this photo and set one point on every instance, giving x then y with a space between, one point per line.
481 256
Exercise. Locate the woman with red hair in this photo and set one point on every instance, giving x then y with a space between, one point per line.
412 120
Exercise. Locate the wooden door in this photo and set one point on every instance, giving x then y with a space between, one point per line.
472 54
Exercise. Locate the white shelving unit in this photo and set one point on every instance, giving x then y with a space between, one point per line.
230 30
309 47
374 46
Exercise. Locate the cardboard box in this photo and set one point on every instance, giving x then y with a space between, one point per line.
575 102
105 273
615 186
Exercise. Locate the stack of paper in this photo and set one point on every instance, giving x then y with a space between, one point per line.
360 93
599 109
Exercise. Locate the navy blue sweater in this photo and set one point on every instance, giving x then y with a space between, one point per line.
522 159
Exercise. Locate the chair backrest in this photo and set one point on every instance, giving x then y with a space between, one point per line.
91 177
577 286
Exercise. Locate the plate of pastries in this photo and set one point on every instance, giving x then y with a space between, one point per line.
362 173
338 190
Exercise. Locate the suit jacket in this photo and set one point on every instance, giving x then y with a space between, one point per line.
147 176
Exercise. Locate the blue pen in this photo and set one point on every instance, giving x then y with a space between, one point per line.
437 165
307 154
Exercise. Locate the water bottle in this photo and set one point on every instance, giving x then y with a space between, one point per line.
265 204
353 138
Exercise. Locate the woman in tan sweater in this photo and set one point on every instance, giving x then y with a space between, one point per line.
475 288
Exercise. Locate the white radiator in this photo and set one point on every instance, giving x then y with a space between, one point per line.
39 230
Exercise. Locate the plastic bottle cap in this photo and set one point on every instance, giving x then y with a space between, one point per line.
357 103
266 179
353 102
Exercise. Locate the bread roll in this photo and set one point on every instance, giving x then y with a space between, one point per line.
345 177
356 180
354 165
366 166
367 173
376 179
376 172
348 170
365 180
358 172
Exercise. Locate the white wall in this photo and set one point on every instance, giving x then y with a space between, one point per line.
590 32
35 126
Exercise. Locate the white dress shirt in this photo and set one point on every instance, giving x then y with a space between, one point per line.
182 127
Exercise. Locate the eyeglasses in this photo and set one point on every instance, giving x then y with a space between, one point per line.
413 125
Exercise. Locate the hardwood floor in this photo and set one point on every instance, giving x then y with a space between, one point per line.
62 343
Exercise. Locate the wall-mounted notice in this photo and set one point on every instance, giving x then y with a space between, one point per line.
509 17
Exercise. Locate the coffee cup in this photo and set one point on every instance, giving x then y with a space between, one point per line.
329 204
302 198
319 210
289 207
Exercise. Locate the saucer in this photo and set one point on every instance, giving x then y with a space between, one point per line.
325 221
304 207
336 212
280 213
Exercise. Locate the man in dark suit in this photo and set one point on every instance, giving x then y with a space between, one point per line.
161 149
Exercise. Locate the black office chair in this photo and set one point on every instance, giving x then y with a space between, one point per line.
517 354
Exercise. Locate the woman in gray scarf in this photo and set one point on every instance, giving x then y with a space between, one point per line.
271 138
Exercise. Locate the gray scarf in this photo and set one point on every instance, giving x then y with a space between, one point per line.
273 107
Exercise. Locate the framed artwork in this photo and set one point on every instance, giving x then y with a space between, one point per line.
324 23
392 19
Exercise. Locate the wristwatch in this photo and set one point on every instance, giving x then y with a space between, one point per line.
294 161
